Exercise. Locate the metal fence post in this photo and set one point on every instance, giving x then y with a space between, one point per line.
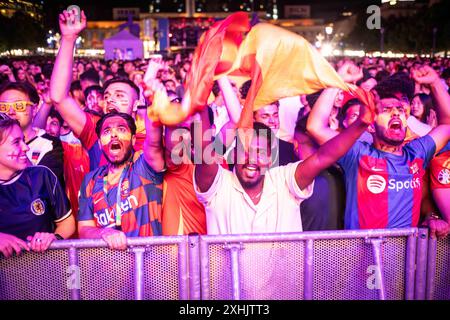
235 276
410 266
74 267
204 271
309 269
138 272
376 249
431 268
194 267
421 264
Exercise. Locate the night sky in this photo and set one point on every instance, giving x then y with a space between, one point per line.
102 10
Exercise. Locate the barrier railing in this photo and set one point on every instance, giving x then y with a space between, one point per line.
372 264
438 269
151 268
362 264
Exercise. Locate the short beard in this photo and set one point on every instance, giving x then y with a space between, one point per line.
381 135
121 162
249 185
394 143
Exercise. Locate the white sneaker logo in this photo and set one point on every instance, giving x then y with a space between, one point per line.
376 184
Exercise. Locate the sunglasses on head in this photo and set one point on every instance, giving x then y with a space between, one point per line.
18 106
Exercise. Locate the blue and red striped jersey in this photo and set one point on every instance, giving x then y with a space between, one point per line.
140 196
384 190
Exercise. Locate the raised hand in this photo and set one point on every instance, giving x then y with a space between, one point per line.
70 25
150 86
350 73
425 75
152 69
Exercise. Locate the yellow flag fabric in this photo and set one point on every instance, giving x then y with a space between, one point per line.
283 64
215 53
279 63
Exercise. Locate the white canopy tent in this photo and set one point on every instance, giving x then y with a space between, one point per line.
124 46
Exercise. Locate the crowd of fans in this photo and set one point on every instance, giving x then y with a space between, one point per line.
81 158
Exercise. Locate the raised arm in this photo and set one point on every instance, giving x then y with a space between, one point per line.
40 119
331 151
153 149
319 116
205 169
440 135
230 98
62 72
318 119
228 131
428 76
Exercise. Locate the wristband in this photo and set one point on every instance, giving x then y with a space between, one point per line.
58 237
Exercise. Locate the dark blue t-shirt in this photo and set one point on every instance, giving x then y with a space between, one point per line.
32 202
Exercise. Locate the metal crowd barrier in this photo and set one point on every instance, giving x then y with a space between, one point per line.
340 265
438 269
373 264
153 268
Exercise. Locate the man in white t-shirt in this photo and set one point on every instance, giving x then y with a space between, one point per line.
254 198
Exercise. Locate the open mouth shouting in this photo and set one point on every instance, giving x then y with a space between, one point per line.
396 126
111 108
115 147
251 170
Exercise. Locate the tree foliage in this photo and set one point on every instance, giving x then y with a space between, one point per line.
20 32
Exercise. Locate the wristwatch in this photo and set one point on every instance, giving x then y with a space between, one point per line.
58 237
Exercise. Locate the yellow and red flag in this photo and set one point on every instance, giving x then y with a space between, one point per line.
279 63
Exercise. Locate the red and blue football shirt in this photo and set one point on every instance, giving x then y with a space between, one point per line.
384 190
440 169
140 196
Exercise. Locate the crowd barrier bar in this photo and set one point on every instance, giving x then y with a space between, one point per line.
431 268
137 247
194 268
438 271
193 261
421 264
233 243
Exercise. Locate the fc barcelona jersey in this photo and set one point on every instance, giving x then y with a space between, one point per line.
440 169
385 190
140 199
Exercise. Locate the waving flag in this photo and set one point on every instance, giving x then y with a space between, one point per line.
279 63
283 64
214 54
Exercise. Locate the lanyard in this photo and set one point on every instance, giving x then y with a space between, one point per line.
118 213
